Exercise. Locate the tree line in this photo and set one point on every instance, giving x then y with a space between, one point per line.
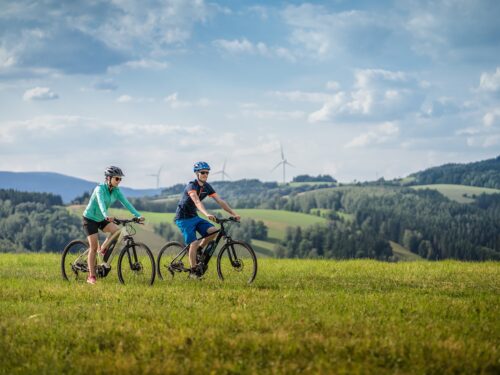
424 221
484 173
337 239
35 222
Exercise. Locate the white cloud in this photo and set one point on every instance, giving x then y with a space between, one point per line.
452 29
333 85
490 82
146 64
492 118
238 46
265 114
40 93
234 46
302 96
381 134
484 135
441 107
124 99
7 60
322 33
376 94
107 35
133 25
131 99
174 102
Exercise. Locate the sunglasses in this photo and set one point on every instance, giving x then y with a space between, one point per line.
117 178
204 172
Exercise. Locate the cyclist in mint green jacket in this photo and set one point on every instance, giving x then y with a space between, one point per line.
96 215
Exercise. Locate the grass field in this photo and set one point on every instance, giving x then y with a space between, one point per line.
300 316
459 193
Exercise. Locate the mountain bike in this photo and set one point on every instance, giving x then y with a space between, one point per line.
136 264
236 260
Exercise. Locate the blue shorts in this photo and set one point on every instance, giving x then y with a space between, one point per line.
189 227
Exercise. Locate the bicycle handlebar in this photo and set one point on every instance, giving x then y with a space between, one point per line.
222 221
126 221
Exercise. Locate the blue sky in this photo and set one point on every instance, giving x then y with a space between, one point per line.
355 89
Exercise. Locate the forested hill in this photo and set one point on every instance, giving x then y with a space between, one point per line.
484 173
424 221
35 222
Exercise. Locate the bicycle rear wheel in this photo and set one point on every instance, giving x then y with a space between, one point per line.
74 265
237 263
166 270
136 265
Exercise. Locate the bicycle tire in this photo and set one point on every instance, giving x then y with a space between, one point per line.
167 253
235 270
71 271
139 267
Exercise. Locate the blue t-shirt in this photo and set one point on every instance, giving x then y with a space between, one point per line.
186 208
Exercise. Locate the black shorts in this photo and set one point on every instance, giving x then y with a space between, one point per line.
91 227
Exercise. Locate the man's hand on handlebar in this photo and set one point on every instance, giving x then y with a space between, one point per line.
111 219
212 218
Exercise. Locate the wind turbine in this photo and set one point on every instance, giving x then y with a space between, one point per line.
157 175
222 172
283 162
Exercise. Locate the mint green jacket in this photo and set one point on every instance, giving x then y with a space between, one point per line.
102 199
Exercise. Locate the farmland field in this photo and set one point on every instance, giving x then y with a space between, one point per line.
300 316
459 193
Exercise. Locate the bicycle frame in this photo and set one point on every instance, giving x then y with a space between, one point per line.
108 250
221 233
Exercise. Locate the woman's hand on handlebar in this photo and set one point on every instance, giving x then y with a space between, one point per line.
111 219
211 218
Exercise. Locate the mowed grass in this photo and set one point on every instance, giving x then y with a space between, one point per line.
300 316
459 193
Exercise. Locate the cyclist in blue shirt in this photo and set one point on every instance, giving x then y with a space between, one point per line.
96 215
188 220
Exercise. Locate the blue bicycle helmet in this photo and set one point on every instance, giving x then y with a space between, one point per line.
200 166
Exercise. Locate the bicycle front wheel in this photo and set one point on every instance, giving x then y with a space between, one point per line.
237 263
166 266
74 265
136 265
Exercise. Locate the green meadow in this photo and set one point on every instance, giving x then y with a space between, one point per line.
459 193
300 316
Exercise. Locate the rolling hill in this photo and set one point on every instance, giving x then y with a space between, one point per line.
484 173
459 193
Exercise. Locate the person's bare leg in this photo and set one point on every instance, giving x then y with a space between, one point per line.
206 240
193 247
110 228
93 240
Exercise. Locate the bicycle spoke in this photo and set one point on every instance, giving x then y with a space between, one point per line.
237 263
74 266
170 262
136 265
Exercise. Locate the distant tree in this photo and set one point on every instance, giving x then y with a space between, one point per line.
319 178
